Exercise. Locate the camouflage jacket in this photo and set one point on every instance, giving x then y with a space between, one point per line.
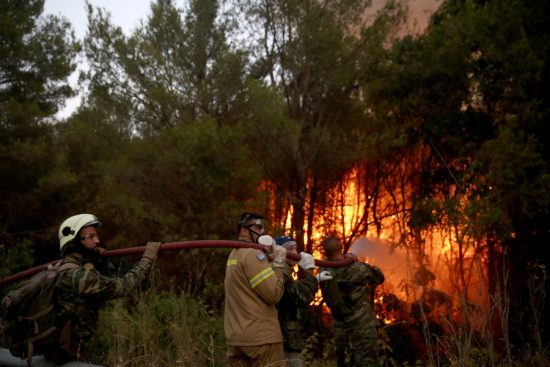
80 292
294 313
348 293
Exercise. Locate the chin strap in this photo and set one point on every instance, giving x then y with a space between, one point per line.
250 231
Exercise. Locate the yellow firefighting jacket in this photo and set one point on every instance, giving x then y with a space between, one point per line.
252 290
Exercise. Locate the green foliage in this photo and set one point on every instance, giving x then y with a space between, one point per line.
37 54
174 69
199 273
15 258
160 329
517 181
182 130
185 183
37 57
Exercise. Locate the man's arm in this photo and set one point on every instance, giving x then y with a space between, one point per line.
362 273
85 281
266 281
90 282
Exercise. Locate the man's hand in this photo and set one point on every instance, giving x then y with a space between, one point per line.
278 256
306 261
351 256
151 251
324 275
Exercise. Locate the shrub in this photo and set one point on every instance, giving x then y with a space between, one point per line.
162 329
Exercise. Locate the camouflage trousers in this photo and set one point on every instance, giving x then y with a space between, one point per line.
356 344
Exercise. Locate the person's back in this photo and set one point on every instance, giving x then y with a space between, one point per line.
348 295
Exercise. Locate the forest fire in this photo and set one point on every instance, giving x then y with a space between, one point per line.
435 278
421 146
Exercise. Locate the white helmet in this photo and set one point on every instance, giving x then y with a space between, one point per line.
70 227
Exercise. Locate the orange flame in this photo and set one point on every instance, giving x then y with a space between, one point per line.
411 265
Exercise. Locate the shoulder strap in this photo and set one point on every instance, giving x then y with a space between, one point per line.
67 266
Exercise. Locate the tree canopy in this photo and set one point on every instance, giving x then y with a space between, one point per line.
37 55
320 115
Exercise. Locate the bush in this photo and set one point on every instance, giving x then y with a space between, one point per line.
159 330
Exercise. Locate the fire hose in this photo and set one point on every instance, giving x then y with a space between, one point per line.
172 246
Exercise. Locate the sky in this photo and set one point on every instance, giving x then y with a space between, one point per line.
124 13
128 13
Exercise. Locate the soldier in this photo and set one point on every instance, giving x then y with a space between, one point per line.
293 306
253 286
82 290
354 322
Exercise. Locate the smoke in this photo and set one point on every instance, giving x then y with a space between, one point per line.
391 260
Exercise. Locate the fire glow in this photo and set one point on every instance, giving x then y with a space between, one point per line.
440 263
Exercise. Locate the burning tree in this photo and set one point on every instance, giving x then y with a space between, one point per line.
425 154
431 144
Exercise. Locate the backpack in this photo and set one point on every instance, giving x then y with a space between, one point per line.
28 315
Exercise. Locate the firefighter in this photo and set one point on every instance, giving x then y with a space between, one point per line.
294 313
253 287
354 322
82 290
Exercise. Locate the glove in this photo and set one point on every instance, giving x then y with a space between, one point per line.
306 261
266 240
151 251
324 275
278 256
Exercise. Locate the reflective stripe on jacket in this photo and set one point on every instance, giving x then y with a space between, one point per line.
252 290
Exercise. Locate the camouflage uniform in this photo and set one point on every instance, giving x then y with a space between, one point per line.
293 309
354 321
80 293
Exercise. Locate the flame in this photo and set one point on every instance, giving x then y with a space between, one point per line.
318 299
397 256
442 259
295 272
